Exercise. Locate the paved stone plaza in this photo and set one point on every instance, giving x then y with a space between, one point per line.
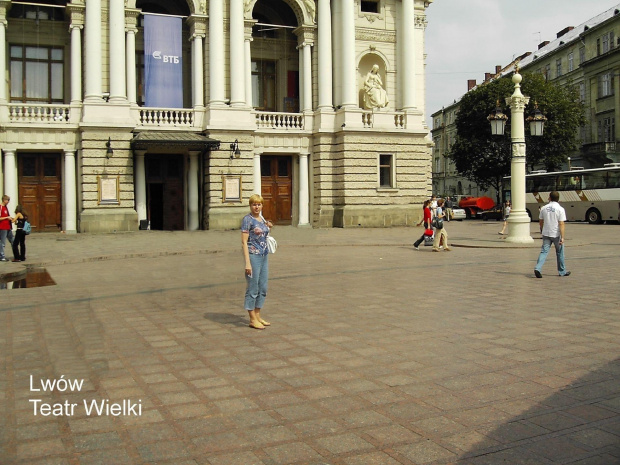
377 353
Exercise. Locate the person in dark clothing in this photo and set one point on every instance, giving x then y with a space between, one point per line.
19 242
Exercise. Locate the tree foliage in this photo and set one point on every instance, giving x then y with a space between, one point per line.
485 159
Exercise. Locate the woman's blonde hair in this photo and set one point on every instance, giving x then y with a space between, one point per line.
256 198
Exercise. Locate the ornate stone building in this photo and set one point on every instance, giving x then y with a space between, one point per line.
274 98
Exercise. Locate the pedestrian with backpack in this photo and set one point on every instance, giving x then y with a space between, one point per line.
23 229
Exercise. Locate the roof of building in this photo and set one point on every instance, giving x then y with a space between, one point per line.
570 35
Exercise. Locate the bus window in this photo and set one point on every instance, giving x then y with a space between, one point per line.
596 180
546 183
574 183
565 182
614 179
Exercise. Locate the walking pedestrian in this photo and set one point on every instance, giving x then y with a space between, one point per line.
552 218
6 225
507 208
426 220
254 232
448 208
19 242
440 232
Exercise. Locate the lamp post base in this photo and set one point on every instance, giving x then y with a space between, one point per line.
519 229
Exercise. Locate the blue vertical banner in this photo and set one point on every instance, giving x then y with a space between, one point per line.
163 63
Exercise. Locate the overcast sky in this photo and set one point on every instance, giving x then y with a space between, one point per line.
466 38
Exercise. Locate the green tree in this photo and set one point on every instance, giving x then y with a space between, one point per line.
485 159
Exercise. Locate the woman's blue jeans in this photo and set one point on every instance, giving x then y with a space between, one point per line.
559 253
256 290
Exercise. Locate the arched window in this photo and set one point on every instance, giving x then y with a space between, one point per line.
275 59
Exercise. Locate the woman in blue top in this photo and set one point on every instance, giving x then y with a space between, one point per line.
254 232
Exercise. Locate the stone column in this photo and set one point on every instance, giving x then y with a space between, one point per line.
198 31
408 68
216 53
93 54
192 192
302 77
118 84
304 193
349 85
3 68
237 54
76 63
130 37
324 40
336 7
140 185
69 207
256 174
10 178
307 80
198 71
248 62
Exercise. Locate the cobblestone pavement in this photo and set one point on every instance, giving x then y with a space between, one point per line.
377 353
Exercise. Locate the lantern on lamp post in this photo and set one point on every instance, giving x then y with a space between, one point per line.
498 121
537 121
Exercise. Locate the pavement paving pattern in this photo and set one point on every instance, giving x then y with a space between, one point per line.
377 353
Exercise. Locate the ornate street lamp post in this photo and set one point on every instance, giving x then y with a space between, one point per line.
519 221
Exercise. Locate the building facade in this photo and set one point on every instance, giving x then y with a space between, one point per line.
317 105
587 57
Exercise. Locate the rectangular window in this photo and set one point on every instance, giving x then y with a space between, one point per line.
605 85
37 74
571 66
582 92
607 129
386 171
607 42
264 85
548 72
558 67
369 6
582 55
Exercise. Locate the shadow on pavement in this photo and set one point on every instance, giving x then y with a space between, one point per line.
579 425
227 319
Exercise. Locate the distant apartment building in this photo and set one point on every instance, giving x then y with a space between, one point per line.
586 56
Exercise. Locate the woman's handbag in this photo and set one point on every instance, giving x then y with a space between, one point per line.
437 223
272 244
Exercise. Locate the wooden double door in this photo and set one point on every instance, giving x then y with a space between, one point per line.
277 188
40 190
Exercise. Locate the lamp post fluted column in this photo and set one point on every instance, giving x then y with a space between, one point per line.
519 221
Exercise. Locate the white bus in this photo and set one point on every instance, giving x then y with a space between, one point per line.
591 195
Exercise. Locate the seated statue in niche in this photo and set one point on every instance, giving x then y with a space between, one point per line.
375 95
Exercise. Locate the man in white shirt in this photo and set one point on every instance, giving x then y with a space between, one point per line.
552 218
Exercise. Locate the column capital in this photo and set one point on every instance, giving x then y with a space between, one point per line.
4 7
248 25
306 35
420 22
131 18
76 14
197 25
